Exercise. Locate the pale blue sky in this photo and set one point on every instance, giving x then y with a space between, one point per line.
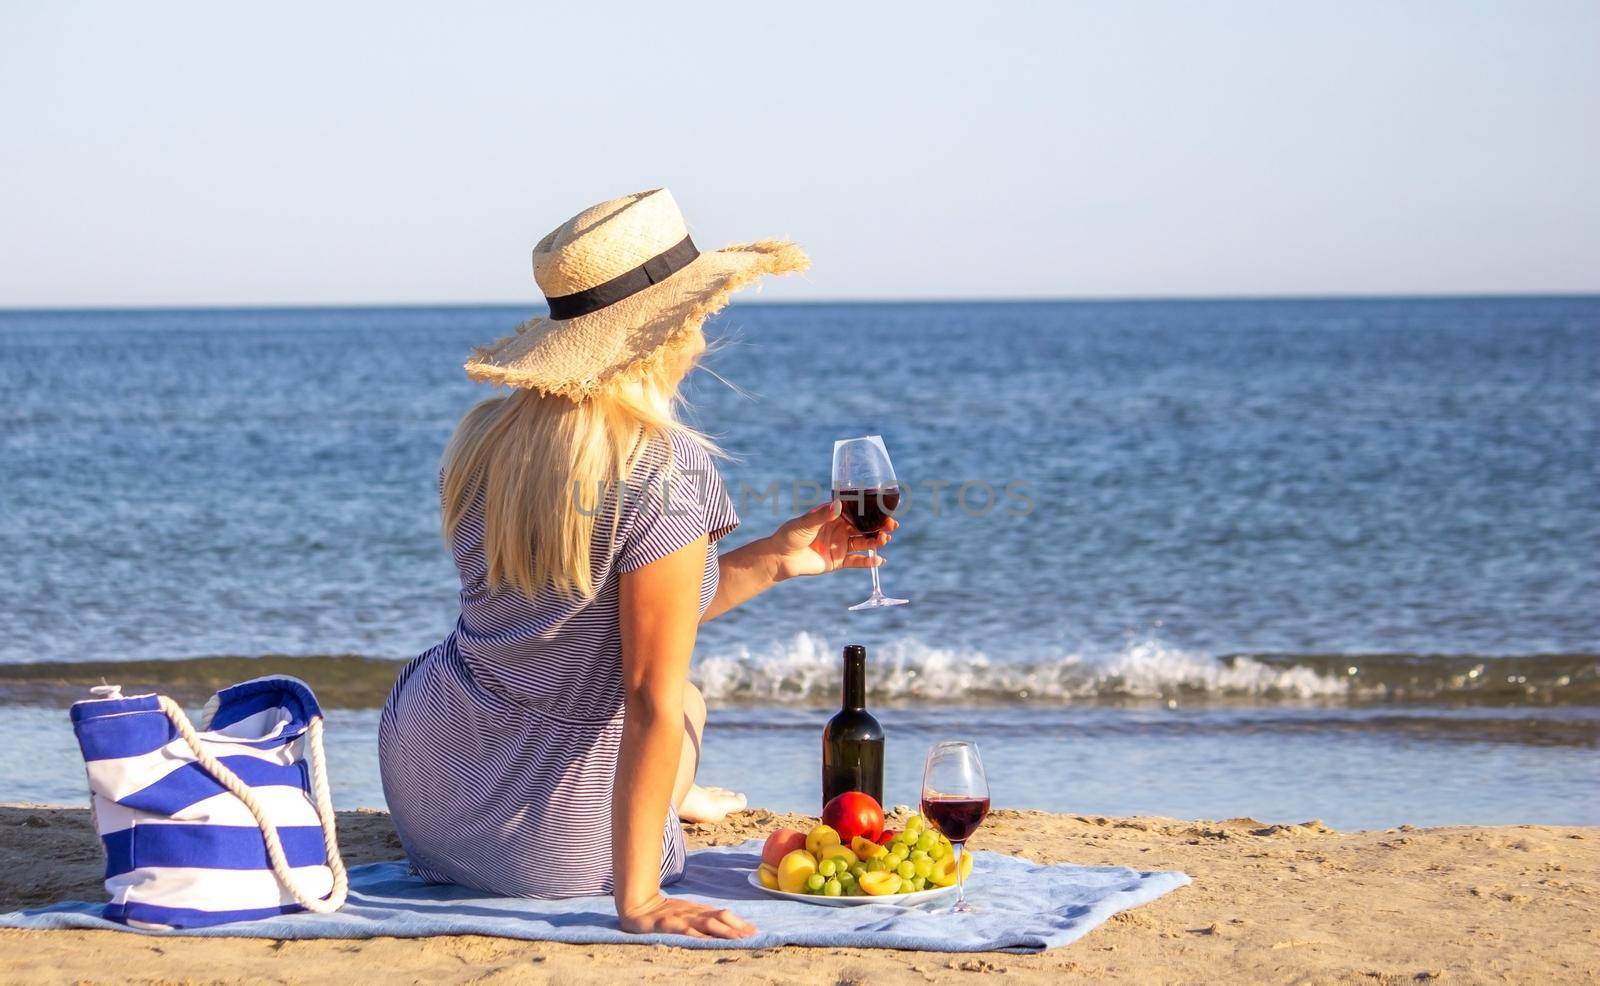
222 153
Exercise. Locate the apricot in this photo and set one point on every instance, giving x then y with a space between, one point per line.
866 849
944 870
780 844
794 870
881 883
768 875
820 838
841 853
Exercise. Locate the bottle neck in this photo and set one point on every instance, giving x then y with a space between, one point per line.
855 680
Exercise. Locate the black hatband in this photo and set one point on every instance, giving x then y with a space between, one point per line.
653 271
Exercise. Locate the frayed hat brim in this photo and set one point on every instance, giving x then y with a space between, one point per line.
575 358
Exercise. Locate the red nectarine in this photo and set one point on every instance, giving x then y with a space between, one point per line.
780 844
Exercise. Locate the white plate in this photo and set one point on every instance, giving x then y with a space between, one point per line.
905 900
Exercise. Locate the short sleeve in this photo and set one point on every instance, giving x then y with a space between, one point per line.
674 496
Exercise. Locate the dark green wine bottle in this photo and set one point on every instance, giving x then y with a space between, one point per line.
852 742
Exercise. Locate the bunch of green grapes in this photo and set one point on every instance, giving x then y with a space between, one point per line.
833 879
912 853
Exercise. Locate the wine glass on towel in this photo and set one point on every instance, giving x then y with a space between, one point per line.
955 799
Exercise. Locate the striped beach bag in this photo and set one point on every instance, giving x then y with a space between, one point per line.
230 822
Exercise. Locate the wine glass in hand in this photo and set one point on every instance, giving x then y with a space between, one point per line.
867 493
955 798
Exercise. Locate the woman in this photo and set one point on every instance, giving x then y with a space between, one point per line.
548 746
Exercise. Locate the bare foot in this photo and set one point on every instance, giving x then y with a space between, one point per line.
709 804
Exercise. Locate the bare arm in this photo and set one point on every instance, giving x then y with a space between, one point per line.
659 608
813 543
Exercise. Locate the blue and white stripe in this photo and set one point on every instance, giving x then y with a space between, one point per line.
181 850
499 746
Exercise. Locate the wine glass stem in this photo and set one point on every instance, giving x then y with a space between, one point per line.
872 566
961 884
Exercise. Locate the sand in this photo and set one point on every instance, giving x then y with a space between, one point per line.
1279 904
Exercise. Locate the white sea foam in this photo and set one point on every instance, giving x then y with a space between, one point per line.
805 671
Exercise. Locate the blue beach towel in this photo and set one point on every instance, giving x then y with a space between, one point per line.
1023 907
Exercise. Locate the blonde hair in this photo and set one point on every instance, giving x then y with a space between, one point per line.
542 464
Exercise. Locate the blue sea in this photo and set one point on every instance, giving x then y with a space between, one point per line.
1326 559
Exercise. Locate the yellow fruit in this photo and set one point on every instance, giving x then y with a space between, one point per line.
768 875
840 853
820 838
794 870
881 883
944 870
865 848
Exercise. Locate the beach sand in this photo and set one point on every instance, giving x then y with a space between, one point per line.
1298 903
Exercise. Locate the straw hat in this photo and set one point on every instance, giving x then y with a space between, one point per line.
625 286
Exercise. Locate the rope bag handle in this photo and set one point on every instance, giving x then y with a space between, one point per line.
269 832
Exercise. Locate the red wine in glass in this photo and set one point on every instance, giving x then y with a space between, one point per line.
867 510
955 818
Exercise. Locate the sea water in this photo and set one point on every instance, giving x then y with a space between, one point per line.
1286 558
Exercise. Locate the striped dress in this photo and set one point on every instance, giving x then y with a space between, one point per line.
498 747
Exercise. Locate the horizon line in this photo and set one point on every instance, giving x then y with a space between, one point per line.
801 302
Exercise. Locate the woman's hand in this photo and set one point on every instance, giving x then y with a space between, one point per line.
817 541
820 541
671 916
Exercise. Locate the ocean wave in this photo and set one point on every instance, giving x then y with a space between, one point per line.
803 671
